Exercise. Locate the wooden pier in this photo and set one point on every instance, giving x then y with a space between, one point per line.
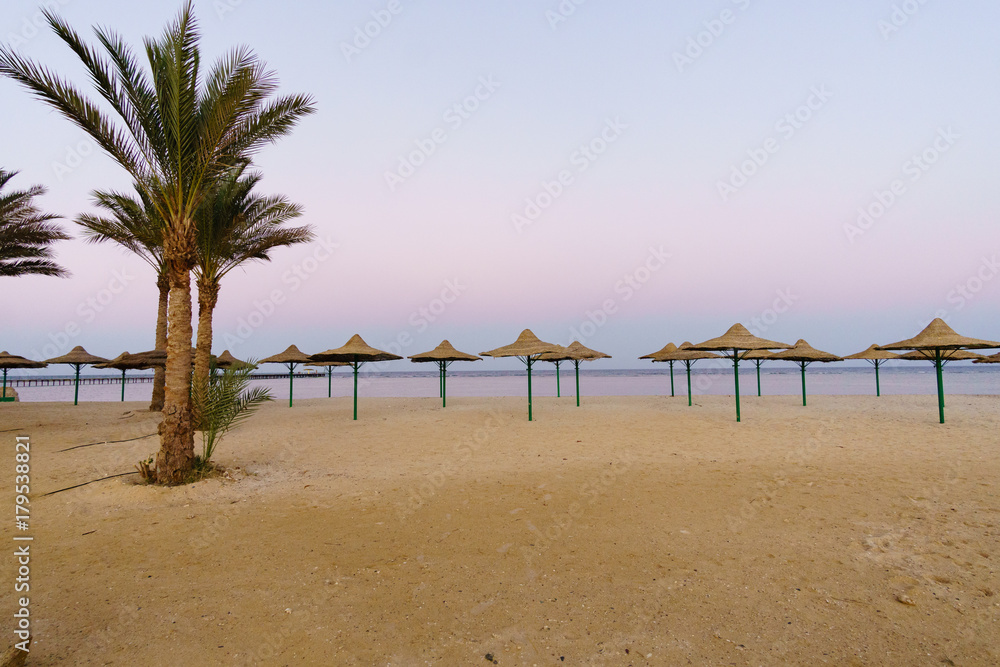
129 379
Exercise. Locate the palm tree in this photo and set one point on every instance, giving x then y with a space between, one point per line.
135 225
235 226
26 233
174 130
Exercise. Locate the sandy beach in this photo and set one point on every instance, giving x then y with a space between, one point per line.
629 531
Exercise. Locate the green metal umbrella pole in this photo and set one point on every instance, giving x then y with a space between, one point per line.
356 365
687 366
736 373
291 382
803 365
328 365
76 385
940 384
528 362
671 379
758 357
558 389
444 383
878 388
576 366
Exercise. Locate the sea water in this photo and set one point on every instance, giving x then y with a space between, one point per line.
912 378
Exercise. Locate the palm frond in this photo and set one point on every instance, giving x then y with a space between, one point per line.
133 224
225 403
26 233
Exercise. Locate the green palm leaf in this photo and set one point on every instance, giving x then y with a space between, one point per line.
26 233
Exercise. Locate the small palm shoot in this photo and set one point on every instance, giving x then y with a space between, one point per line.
225 403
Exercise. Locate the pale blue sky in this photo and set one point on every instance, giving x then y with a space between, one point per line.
673 132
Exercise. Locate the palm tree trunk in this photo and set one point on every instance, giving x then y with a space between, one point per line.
208 296
176 456
161 341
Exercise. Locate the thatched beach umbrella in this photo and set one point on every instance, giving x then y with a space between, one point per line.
226 361
804 354
992 359
758 357
876 357
575 352
77 357
125 362
664 355
688 357
355 353
153 358
938 342
7 361
528 349
291 357
328 365
734 344
443 355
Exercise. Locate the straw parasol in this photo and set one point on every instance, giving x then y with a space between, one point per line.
77 357
663 355
227 360
804 354
528 348
125 362
329 372
443 355
758 357
992 359
689 357
7 361
291 357
875 357
154 358
355 353
734 344
939 342
575 352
